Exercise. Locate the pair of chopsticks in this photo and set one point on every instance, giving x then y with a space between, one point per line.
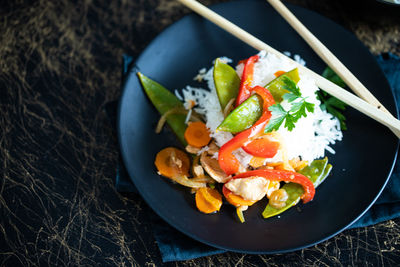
370 106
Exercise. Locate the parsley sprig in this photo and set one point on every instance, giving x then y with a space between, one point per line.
298 108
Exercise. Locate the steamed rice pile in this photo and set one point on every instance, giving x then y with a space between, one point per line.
309 139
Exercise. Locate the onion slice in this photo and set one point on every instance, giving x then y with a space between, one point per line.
228 107
203 179
183 180
176 110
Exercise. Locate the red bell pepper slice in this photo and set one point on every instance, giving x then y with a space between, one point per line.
247 79
285 176
262 147
227 161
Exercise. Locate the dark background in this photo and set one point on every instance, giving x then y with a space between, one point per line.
60 64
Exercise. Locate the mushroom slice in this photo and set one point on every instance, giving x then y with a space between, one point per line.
198 171
192 149
212 148
211 166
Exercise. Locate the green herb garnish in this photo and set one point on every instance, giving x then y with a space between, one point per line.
329 74
298 108
330 103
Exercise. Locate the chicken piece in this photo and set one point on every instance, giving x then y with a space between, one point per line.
211 166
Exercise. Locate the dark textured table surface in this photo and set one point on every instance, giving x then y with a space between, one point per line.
60 63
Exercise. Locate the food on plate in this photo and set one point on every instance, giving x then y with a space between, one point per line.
197 135
257 133
171 162
208 200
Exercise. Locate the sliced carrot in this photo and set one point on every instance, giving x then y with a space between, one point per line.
197 134
279 73
208 200
236 200
172 162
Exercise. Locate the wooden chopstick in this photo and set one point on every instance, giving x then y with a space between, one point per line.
326 55
329 87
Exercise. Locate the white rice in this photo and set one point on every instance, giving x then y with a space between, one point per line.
309 139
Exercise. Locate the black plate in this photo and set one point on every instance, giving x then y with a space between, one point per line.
362 163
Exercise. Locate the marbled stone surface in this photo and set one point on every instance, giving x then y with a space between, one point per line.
60 63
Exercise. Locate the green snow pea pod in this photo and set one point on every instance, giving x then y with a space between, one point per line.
294 192
322 178
276 86
243 117
163 100
317 171
226 82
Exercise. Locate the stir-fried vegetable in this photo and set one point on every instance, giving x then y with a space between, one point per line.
284 176
164 101
247 113
298 164
239 212
262 147
247 80
183 180
226 82
197 134
316 173
172 162
277 86
279 73
208 200
284 182
176 110
226 159
243 117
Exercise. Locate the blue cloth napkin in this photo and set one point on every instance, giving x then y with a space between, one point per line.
175 246
387 206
